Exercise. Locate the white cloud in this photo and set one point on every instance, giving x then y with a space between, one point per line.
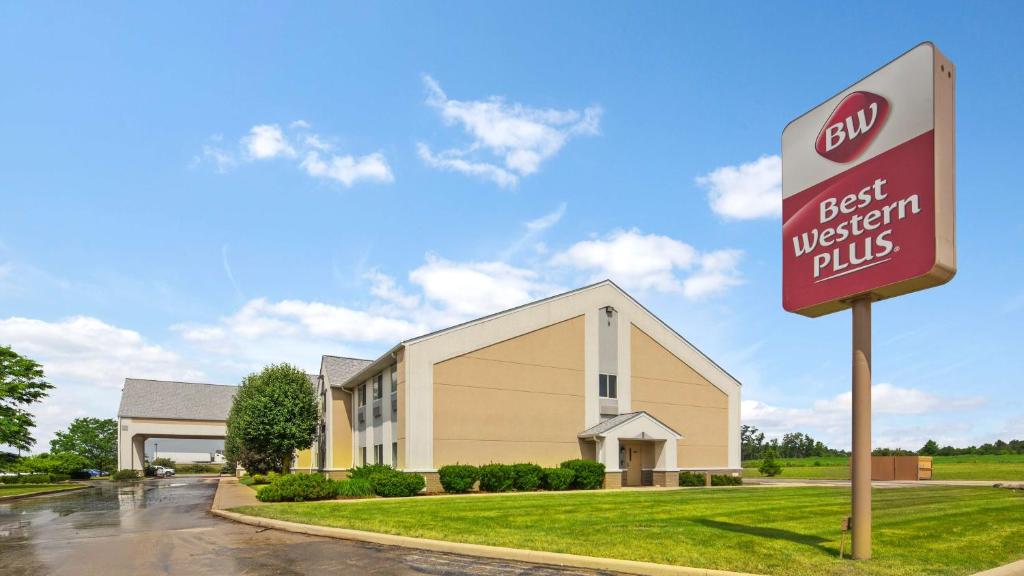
385 288
452 160
223 160
347 169
267 141
533 231
312 152
87 360
747 191
471 289
653 262
830 418
259 318
516 138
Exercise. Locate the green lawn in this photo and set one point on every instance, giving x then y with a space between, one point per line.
1005 467
22 489
781 531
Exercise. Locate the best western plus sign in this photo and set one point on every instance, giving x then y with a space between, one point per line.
867 188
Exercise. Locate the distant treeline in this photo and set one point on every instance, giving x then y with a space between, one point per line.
792 445
800 445
931 448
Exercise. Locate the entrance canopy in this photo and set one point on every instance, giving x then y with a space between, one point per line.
631 428
160 409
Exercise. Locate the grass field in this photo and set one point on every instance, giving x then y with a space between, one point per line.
8 490
1005 467
934 530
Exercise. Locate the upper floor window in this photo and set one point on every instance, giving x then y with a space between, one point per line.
362 395
608 386
378 386
394 378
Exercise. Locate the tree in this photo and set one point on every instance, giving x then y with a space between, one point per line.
769 467
56 463
930 448
165 462
94 439
22 383
273 414
751 442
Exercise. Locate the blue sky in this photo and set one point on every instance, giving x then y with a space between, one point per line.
195 193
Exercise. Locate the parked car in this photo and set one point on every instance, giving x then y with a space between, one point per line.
162 472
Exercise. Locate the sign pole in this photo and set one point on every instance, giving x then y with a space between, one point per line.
860 543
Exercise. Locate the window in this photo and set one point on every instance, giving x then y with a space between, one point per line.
394 454
362 456
378 453
608 386
362 395
378 386
394 378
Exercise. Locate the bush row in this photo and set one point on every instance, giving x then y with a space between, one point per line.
126 474
697 479
363 482
34 479
575 474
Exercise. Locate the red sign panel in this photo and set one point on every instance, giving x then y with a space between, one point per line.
868 188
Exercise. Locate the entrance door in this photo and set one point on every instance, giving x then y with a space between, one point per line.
634 463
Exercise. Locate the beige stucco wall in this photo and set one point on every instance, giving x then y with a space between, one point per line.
341 429
671 391
520 400
303 460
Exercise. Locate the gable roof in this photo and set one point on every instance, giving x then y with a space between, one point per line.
175 400
338 369
370 366
602 428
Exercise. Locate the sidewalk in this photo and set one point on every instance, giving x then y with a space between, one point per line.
232 494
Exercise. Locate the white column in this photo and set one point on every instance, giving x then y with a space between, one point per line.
625 381
138 452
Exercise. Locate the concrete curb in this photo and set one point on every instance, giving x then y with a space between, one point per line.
1011 569
479 550
40 494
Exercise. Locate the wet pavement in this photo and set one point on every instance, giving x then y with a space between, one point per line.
164 527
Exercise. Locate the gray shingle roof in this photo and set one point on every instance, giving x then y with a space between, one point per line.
176 400
336 369
616 421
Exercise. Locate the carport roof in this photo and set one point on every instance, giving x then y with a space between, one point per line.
175 400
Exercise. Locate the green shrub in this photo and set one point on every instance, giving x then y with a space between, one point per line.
726 480
691 479
769 467
258 479
27 479
527 477
558 478
354 488
197 469
587 474
395 484
245 479
126 474
458 478
228 468
298 488
497 478
369 470
165 462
